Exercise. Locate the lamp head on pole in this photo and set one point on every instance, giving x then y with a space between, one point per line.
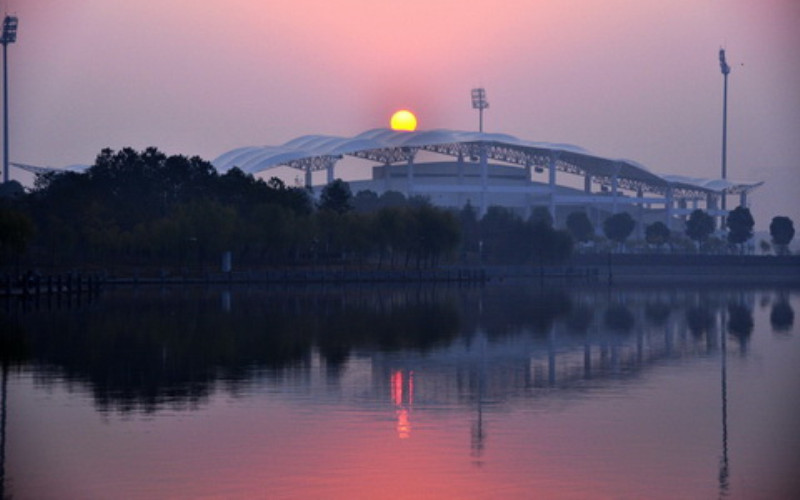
722 64
9 30
479 99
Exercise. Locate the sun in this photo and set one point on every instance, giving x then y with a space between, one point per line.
404 120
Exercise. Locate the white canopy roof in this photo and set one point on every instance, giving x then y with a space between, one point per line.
316 152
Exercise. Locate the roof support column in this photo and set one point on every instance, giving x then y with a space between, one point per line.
711 202
484 176
640 214
743 199
528 197
668 208
410 172
309 185
329 170
460 167
615 187
552 183
587 183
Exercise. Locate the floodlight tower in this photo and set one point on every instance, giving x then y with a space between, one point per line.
9 36
725 71
479 102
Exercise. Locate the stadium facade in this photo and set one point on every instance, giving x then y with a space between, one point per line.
453 168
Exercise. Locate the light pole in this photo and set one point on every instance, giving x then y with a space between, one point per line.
9 36
479 102
725 70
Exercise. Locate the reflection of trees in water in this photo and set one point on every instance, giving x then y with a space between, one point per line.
700 320
579 319
657 312
618 319
781 317
148 349
740 323
509 309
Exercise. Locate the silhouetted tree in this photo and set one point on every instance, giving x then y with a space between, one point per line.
699 226
657 233
16 232
782 231
548 245
437 233
740 225
470 230
11 190
618 227
580 227
392 199
541 215
366 201
336 197
506 237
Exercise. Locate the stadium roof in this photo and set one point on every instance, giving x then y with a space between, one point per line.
318 152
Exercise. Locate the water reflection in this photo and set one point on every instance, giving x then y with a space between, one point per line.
782 315
399 352
403 399
142 351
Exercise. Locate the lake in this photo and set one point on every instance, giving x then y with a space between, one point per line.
510 390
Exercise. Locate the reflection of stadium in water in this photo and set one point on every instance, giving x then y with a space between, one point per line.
461 344
578 341
487 372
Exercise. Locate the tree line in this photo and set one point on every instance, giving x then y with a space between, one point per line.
149 209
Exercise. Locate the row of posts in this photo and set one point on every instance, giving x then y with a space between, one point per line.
34 285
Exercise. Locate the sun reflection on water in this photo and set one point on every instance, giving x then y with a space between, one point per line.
403 398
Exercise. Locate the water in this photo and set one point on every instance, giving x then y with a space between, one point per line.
505 391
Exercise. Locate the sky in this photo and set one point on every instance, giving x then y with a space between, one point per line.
632 79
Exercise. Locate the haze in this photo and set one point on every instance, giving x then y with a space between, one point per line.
634 79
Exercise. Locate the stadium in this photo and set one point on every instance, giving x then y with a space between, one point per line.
453 168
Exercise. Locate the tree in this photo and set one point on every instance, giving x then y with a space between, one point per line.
391 199
506 237
389 230
16 232
699 226
438 232
618 227
541 215
11 190
470 231
336 197
657 233
740 225
548 245
782 231
365 201
580 227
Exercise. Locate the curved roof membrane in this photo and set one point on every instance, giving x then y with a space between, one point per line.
316 152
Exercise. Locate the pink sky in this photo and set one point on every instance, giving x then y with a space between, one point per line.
635 79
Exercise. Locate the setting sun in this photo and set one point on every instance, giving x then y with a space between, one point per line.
404 120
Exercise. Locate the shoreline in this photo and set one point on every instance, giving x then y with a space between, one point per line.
628 269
